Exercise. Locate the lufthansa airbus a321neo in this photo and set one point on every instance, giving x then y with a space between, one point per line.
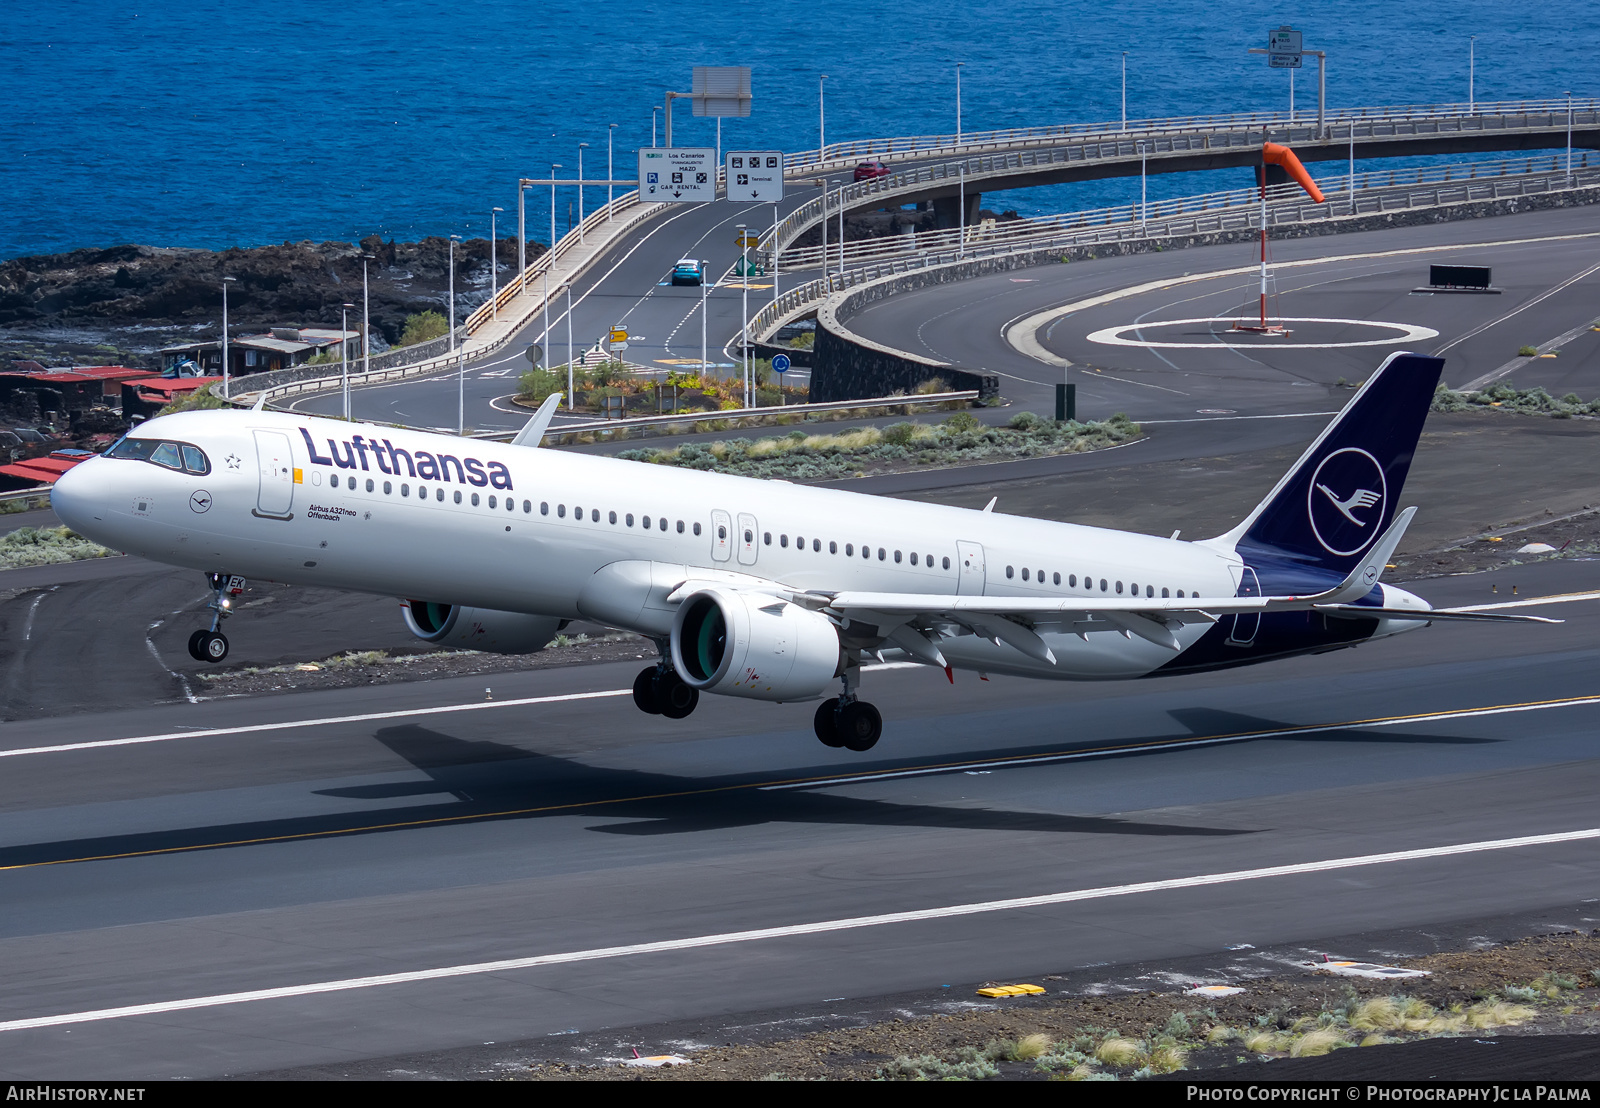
754 588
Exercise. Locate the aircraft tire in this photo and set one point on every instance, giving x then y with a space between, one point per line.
677 699
826 723
860 725
644 692
214 646
195 650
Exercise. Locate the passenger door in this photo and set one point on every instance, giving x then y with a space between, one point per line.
275 462
970 583
721 538
747 539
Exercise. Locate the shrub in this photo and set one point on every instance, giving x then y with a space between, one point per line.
1024 421
1527 351
900 434
195 400
537 384
422 327
962 423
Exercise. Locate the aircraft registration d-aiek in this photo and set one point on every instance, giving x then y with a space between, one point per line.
762 589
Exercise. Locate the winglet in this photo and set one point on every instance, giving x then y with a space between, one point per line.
534 430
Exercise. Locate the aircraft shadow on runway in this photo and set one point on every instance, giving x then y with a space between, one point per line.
479 781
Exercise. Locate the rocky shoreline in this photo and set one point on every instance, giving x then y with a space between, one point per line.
122 303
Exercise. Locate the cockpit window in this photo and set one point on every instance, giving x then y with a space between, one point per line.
136 449
172 455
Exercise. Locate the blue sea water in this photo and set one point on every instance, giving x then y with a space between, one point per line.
216 123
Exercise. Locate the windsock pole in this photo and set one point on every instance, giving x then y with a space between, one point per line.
1275 154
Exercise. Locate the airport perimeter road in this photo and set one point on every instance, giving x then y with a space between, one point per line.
627 287
1545 263
371 857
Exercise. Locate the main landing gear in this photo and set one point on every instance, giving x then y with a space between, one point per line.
848 722
661 692
212 645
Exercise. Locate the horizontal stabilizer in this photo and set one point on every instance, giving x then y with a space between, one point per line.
1426 615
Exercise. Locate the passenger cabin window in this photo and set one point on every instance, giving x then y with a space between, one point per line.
696 527
474 497
594 516
492 501
370 486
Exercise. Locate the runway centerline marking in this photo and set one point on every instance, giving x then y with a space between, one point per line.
852 923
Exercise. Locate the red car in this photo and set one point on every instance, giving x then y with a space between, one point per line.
866 171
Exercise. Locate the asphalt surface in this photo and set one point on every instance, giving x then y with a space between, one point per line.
964 323
320 851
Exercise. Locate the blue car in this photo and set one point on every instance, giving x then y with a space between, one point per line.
686 272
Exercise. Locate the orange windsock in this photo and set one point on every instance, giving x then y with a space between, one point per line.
1282 155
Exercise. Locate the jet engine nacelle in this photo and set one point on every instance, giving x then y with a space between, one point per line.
479 628
750 644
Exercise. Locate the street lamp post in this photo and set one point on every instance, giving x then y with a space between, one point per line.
744 312
1143 210
1472 72
366 318
1569 137
453 240
822 122
961 214
611 134
774 253
227 385
494 265
545 342
582 146
1124 90
825 274
705 271
841 233
569 342
344 355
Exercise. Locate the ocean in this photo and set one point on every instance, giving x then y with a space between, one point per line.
238 123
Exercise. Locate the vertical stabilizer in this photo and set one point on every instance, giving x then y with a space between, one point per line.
1326 512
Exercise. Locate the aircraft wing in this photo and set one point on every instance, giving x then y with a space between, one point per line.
909 620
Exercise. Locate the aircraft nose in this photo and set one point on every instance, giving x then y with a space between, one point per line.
71 499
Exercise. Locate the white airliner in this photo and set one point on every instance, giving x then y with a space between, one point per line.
753 588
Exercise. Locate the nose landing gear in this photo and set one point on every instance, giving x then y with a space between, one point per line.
212 645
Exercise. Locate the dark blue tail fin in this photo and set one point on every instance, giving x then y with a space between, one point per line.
1344 490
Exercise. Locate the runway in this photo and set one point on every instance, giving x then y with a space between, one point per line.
288 850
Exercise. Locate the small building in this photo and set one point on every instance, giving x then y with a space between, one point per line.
279 348
29 391
145 396
40 472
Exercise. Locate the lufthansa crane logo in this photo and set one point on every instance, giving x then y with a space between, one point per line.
1347 500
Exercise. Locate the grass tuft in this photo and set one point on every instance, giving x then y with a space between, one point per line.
1030 1047
1316 1043
1121 1052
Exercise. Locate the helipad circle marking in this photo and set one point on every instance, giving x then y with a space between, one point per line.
1406 333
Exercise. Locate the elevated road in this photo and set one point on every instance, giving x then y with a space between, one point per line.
627 250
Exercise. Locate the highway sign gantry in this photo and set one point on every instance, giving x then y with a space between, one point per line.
1284 48
684 175
755 176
